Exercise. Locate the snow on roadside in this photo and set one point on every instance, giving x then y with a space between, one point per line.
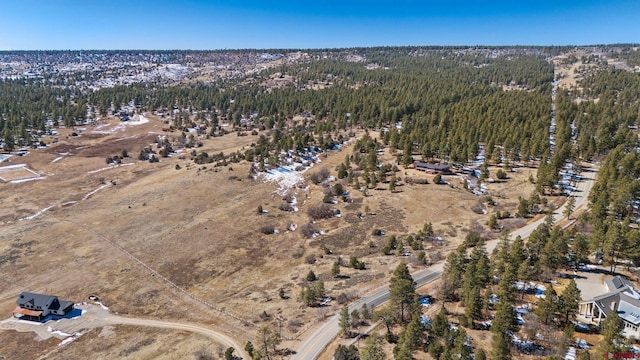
57 159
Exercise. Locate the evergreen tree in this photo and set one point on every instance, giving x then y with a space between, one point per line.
311 276
412 336
548 305
505 318
335 269
250 349
388 317
569 207
569 301
452 275
402 290
500 347
611 341
473 304
346 353
440 324
344 322
372 349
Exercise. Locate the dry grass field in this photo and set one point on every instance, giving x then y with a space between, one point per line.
151 240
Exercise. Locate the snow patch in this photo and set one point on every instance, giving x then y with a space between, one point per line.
71 338
122 126
94 191
13 166
102 305
286 180
108 167
40 212
57 332
25 180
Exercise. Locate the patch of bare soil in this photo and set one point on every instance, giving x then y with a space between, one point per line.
129 342
17 345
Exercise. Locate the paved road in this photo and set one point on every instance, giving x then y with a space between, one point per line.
313 346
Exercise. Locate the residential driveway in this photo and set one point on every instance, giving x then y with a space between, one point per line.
94 316
591 284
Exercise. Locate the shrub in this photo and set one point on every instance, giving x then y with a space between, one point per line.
320 176
501 174
472 239
342 298
308 229
310 259
204 354
478 208
323 211
267 229
422 257
411 181
286 207
357 264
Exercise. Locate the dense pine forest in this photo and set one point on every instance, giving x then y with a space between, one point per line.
448 102
433 103
439 104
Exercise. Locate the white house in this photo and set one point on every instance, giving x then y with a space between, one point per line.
620 297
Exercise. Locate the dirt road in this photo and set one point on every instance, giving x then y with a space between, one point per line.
216 336
96 316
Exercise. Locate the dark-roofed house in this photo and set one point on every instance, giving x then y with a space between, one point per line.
432 168
622 298
32 306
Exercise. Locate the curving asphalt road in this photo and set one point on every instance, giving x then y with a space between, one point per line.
313 346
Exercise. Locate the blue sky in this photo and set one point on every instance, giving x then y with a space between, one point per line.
224 24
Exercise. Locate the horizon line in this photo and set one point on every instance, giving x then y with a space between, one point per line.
325 48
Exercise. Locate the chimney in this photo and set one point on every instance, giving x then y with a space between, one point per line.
613 306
